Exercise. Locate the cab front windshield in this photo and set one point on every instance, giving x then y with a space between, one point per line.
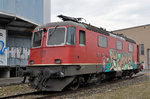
56 36
37 39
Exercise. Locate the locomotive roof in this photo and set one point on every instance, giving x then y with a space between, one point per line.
53 24
86 26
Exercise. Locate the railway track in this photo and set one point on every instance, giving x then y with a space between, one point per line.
10 81
82 91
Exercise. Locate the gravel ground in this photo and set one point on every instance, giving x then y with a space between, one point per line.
10 81
101 89
90 92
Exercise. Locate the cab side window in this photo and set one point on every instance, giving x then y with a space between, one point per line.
130 47
82 38
141 49
102 41
71 36
119 45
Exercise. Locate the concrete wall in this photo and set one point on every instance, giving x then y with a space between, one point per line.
18 48
141 35
3 48
29 9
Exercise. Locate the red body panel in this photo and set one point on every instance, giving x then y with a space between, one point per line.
76 54
48 55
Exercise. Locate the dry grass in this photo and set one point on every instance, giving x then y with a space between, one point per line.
137 91
14 89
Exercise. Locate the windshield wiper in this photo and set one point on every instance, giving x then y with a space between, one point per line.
52 32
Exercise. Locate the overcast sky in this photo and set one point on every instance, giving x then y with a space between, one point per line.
109 14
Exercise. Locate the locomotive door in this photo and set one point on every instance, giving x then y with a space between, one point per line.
149 58
79 51
138 56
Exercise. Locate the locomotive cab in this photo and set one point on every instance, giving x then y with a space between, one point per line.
52 45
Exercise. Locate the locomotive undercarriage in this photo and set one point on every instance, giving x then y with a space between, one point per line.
56 78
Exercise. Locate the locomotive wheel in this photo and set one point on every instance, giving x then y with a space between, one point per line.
103 78
74 85
131 74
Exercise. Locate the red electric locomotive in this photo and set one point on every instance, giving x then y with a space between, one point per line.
70 53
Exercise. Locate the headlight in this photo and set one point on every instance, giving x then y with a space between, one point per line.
57 61
31 62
